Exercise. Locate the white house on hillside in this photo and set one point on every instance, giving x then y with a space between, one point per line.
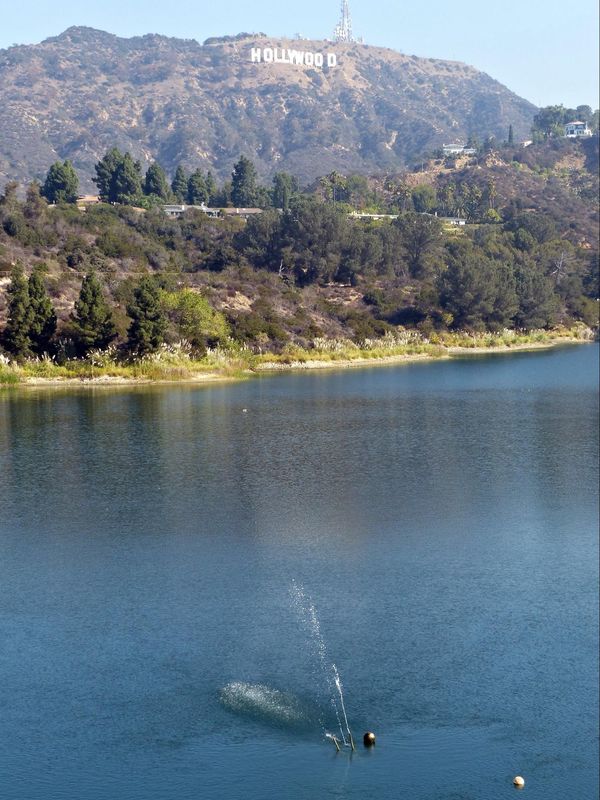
573 130
458 149
177 211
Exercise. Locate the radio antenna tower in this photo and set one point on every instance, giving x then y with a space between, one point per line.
343 30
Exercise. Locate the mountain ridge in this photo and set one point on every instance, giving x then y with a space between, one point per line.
177 101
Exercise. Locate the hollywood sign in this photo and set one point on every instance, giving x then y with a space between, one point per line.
298 58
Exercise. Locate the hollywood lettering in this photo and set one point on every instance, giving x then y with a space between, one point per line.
298 58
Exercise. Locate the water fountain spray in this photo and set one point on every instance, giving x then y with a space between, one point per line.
338 684
328 669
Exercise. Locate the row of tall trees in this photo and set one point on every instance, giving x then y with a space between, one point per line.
120 179
32 321
31 317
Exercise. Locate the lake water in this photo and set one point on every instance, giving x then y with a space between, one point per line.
160 549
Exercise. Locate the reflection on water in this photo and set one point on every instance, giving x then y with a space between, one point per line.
442 517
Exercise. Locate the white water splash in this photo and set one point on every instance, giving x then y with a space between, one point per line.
262 701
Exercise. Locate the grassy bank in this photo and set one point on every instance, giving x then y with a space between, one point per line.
174 364
412 346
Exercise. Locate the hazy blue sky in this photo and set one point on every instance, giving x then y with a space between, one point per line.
545 50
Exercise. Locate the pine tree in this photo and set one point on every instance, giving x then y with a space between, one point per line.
105 172
149 324
211 188
244 184
42 314
197 193
61 184
16 334
156 182
92 321
511 135
179 185
127 180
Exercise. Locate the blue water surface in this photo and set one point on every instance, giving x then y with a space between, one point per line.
441 518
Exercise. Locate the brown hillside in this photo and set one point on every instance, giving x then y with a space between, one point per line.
177 101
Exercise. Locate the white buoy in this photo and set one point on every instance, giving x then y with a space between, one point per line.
519 782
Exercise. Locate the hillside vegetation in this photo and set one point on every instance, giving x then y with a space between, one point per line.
310 276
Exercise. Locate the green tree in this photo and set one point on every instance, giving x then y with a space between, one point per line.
472 201
244 184
490 194
221 198
591 277
118 177
468 287
106 170
359 192
537 301
197 193
335 187
313 235
91 322
211 188
61 184
424 198
42 325
511 136
540 227
127 180
447 199
261 241
156 183
148 322
549 121
584 113
195 319
285 186
420 236
506 302
179 185
16 336
400 192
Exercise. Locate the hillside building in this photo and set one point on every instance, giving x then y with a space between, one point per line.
577 129
457 149
175 211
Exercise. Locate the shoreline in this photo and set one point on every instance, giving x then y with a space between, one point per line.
118 380
438 353
445 354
